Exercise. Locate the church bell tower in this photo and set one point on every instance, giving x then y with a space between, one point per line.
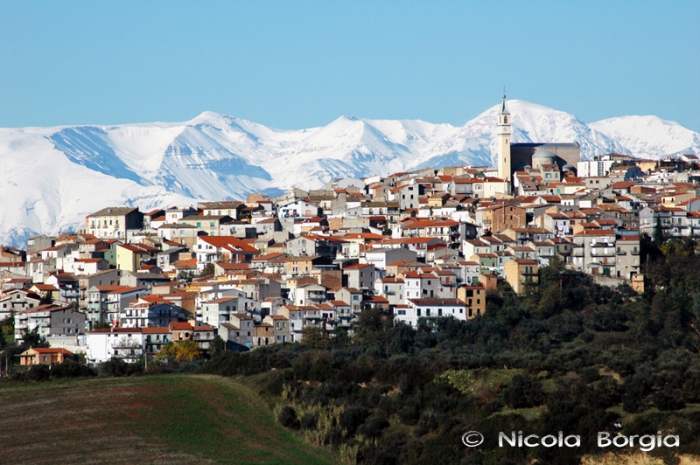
504 142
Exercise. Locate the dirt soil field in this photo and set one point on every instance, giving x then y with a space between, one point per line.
144 420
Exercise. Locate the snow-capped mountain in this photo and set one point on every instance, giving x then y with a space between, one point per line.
649 136
53 177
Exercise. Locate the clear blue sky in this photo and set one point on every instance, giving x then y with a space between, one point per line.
300 64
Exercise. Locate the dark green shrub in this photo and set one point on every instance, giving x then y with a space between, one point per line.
288 418
522 392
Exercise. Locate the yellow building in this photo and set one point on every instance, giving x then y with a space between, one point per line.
474 297
521 273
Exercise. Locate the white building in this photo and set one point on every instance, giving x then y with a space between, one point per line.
122 343
430 309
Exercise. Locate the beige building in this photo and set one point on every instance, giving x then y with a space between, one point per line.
113 222
474 297
520 273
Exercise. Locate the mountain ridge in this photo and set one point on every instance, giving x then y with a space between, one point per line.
53 177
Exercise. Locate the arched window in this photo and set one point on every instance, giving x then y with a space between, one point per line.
505 120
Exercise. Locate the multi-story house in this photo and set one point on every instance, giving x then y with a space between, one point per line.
474 299
118 299
123 343
430 309
227 249
392 289
17 300
280 328
359 276
381 257
218 311
239 331
113 222
149 312
521 273
49 320
209 224
672 220
627 251
426 286
594 252
101 278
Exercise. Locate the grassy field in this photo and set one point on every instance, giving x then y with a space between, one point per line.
144 420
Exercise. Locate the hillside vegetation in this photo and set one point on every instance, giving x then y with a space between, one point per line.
568 355
172 419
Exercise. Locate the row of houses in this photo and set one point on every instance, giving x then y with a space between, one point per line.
420 245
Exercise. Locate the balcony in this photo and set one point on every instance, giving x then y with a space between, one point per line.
603 252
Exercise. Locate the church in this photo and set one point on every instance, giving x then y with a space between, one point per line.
541 156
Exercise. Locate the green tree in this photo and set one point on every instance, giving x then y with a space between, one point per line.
217 346
207 271
373 328
313 337
46 298
523 391
461 380
658 232
31 338
180 351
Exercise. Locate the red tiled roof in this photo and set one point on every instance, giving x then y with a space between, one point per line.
50 350
230 243
180 326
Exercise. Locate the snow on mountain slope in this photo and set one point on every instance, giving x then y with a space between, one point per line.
650 136
347 147
476 142
43 190
53 177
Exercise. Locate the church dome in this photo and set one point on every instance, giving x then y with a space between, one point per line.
543 153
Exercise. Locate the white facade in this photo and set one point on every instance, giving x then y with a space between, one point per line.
430 309
126 344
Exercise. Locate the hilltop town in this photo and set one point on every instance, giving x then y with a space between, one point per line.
417 245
